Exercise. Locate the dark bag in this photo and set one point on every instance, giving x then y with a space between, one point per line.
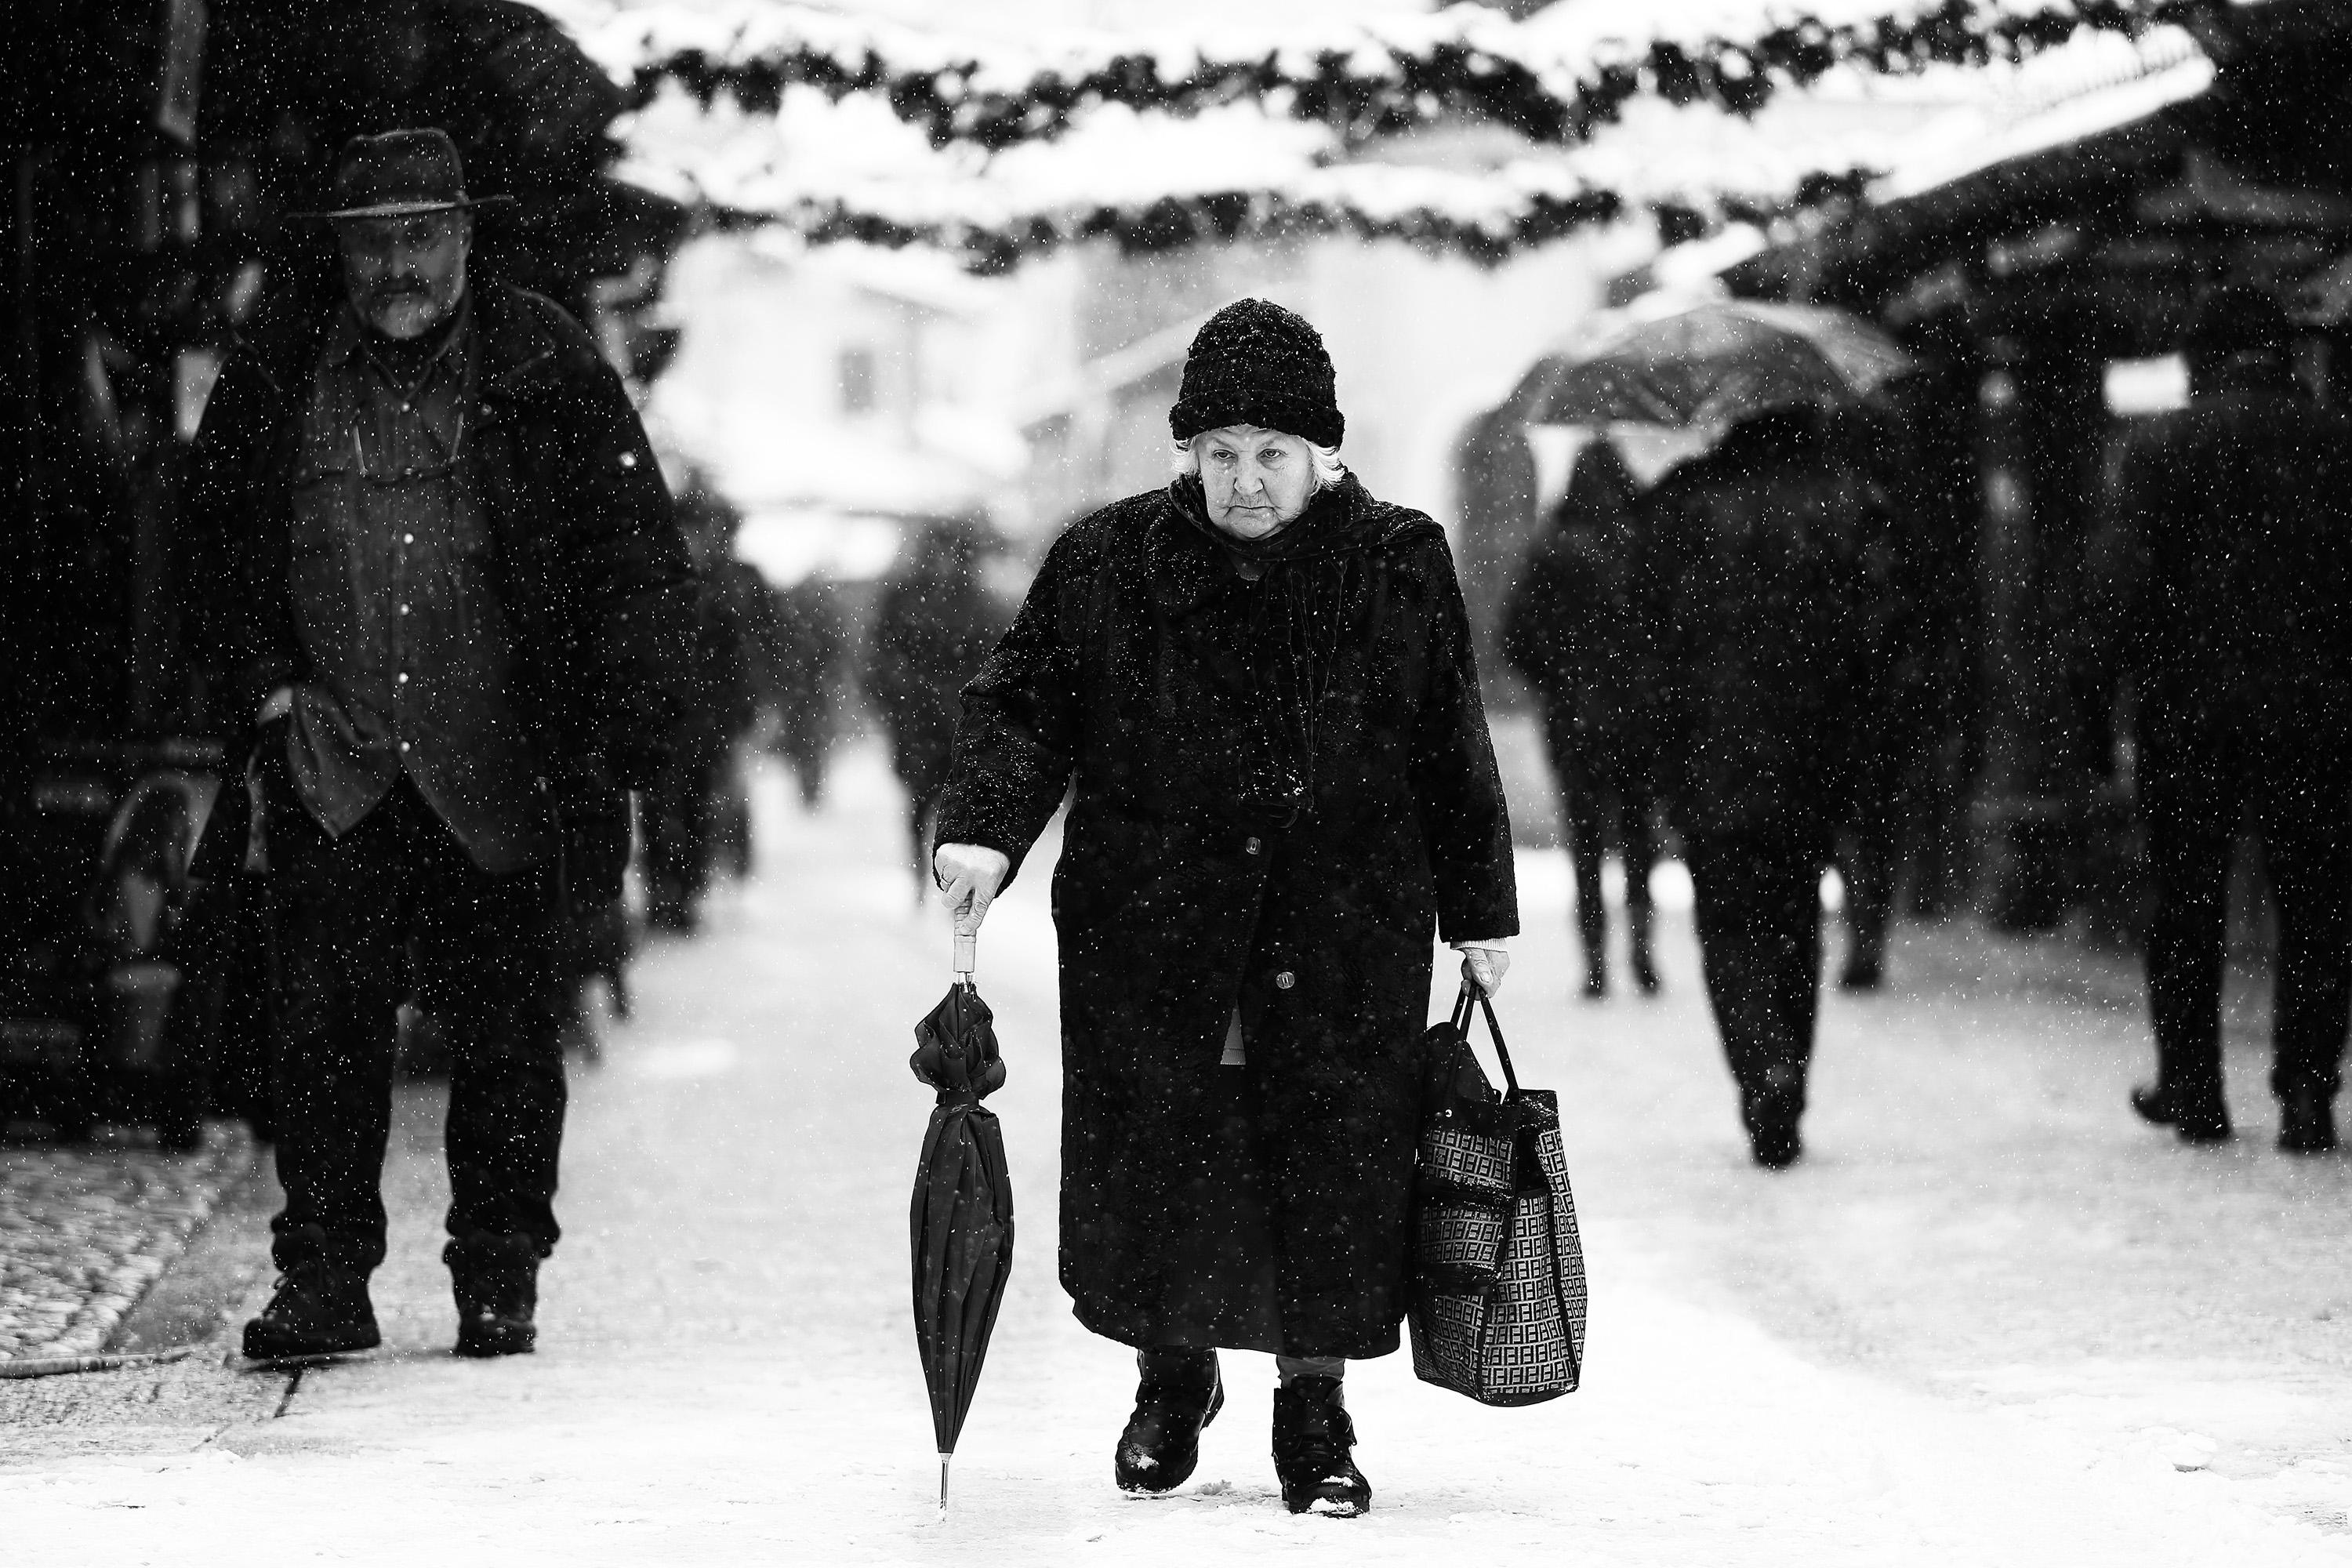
1499 1301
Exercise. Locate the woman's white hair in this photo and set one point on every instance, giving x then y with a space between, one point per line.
1329 468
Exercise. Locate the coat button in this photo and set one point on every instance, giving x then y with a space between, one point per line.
1250 847
1285 981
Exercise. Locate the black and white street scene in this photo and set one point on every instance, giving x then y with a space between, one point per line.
1033 781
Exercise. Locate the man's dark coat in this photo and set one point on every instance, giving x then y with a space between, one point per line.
1758 581
1185 702
589 562
2221 577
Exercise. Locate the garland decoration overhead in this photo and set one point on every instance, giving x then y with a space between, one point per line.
1175 222
1553 80
1487 219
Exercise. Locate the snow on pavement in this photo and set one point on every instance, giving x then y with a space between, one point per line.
729 1376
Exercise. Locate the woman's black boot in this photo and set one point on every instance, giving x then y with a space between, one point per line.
1313 1444
1181 1394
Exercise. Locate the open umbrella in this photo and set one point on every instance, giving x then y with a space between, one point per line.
961 1222
1714 363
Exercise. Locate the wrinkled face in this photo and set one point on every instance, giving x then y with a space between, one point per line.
405 275
1257 480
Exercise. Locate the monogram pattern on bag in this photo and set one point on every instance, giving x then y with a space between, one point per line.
1446 1341
1525 1346
1453 1157
1567 1245
1460 1245
1500 1311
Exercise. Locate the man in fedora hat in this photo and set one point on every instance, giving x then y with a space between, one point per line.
432 561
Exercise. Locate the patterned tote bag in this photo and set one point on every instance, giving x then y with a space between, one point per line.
1498 1295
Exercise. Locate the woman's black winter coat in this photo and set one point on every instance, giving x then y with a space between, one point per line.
1285 792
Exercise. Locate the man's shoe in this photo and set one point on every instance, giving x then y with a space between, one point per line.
1862 974
1314 1444
1770 1115
1645 974
2307 1123
2200 1123
315 1312
495 1282
1180 1394
1776 1144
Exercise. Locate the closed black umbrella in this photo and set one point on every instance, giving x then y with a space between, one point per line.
961 1224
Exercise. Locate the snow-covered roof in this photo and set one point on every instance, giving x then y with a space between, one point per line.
2098 83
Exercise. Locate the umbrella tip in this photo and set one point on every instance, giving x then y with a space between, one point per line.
943 1484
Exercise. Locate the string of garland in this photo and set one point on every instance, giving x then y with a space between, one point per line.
1174 223
1360 79
1535 218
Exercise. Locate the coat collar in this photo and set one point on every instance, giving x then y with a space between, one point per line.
1347 521
516 344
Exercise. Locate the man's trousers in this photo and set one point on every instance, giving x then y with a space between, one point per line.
395 911
1759 937
2202 777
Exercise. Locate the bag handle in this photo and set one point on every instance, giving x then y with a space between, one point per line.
1463 1009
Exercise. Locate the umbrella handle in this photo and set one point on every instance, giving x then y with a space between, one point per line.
967 956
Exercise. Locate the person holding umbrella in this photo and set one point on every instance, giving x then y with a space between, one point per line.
1756 581
1260 681
1754 576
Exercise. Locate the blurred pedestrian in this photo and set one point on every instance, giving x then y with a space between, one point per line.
1260 681
432 559
2223 588
812 661
1571 628
1756 582
932 626
1895 714
691 814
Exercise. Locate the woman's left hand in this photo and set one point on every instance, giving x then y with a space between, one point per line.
1483 968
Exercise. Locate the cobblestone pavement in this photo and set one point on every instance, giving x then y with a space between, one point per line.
84 1232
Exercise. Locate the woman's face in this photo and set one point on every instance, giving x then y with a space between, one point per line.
1257 480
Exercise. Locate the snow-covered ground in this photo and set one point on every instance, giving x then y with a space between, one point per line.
1988 1321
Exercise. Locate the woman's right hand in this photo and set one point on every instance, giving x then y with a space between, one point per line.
969 875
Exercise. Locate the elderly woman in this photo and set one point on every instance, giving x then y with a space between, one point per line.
1260 681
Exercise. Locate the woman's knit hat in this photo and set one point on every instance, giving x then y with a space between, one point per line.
1254 362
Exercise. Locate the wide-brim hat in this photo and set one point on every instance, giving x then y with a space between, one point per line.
401 174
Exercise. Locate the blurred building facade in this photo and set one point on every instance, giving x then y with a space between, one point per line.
841 397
